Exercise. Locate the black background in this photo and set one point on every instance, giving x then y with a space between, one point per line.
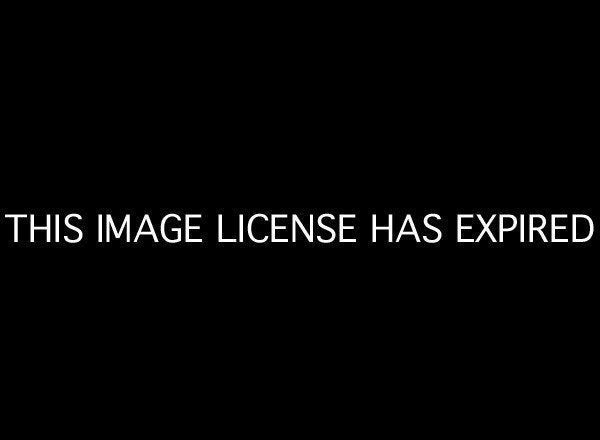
386 112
